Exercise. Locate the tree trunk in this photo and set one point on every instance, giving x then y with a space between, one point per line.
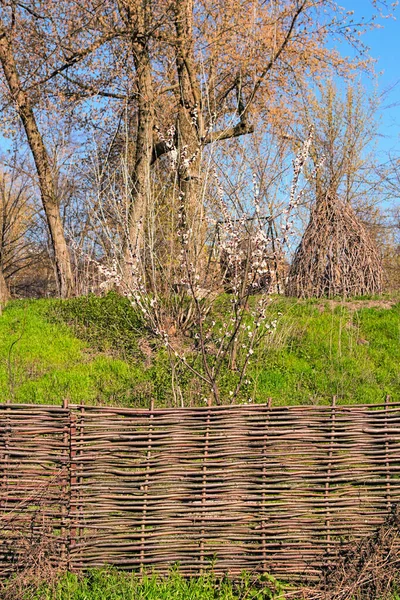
4 293
42 162
137 17
190 128
141 192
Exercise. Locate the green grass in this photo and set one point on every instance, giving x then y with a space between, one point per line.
322 350
43 362
111 584
96 350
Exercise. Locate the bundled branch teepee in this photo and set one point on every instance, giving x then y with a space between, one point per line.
336 256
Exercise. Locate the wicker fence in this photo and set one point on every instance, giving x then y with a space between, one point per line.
242 488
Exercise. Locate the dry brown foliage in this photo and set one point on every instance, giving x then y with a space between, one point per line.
33 549
365 570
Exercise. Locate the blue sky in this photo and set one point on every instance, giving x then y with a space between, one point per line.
384 44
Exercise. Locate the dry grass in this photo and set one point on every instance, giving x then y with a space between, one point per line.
365 570
33 548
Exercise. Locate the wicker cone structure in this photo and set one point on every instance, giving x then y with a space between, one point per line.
336 256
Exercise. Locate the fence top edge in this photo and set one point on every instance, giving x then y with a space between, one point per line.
34 407
245 408
239 408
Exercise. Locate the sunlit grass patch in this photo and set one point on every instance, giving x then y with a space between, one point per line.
111 584
97 351
43 362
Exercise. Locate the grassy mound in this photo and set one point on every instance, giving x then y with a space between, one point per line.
325 348
44 362
97 350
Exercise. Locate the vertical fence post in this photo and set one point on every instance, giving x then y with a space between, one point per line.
7 431
146 488
4 483
80 472
387 459
204 489
328 478
264 483
5 467
72 486
65 486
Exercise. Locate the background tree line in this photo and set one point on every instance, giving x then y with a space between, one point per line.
124 120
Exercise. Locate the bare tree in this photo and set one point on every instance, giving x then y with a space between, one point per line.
25 111
205 71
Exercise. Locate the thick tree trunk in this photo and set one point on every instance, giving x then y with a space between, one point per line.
4 293
36 144
137 18
190 128
140 196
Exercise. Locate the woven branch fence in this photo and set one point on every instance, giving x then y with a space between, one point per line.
255 488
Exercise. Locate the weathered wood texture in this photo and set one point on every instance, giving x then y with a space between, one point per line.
246 487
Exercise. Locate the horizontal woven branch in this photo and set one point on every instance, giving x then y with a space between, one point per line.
243 488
